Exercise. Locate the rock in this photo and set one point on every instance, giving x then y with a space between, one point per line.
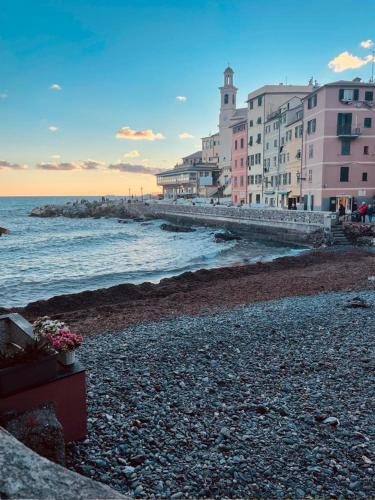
40 430
333 421
226 237
25 474
358 302
176 229
3 230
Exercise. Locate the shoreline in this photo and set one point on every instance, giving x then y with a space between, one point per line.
208 290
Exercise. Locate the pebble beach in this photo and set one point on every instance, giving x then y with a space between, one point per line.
270 400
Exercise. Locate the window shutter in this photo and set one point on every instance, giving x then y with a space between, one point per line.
355 95
341 94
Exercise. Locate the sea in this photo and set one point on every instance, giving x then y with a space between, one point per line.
44 257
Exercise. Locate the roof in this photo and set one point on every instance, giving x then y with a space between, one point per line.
239 113
193 155
211 135
179 169
345 83
228 69
280 89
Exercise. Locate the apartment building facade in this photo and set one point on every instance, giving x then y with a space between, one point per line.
338 164
239 162
263 103
210 148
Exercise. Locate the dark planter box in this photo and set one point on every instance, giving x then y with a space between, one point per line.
24 375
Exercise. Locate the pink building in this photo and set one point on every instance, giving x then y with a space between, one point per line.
338 164
239 162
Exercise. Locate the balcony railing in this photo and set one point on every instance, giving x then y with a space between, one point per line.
348 132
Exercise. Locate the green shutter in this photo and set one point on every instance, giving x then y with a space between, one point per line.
355 95
341 94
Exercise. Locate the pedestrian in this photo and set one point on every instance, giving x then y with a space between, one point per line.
370 212
341 212
362 211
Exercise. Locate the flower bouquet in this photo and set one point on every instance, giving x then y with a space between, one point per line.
60 337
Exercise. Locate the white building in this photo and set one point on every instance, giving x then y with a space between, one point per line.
228 94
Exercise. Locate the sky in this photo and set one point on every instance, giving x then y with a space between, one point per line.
98 95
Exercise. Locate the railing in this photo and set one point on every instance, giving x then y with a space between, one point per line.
266 215
348 132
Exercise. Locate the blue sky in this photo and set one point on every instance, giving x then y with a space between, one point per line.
122 63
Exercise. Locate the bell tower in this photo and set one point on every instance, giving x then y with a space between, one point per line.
228 94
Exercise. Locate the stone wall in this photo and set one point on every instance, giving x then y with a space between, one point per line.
283 225
24 474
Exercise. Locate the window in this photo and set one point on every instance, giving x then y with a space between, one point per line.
260 100
242 143
241 162
345 147
289 178
251 104
299 115
285 179
235 144
251 140
233 99
344 174
344 123
275 161
257 198
364 176
267 145
251 179
367 122
311 150
259 120
275 143
311 126
251 123
348 95
251 160
365 150
241 181
235 182
226 99
312 101
369 95
310 175
259 138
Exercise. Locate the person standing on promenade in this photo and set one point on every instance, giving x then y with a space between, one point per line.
370 212
362 211
341 212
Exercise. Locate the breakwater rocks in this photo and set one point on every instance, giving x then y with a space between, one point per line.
85 209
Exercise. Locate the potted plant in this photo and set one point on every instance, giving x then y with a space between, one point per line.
60 338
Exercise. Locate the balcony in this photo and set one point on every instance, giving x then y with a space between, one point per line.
348 132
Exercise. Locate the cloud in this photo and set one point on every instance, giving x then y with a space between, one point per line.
3 95
55 86
134 169
138 135
52 128
366 44
67 166
91 164
181 98
185 135
145 160
12 166
56 157
58 166
345 61
132 154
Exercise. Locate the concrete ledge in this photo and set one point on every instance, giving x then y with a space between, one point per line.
24 474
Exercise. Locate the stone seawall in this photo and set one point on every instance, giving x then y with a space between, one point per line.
290 226
283 225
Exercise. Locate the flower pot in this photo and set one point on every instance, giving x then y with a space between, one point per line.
67 357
